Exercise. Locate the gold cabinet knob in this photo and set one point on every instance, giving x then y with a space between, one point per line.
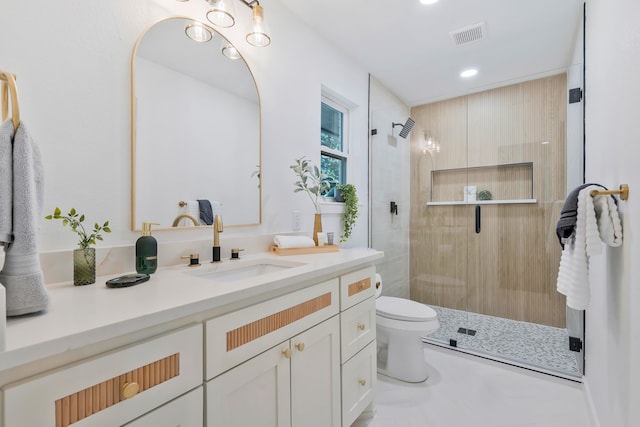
361 326
129 390
300 346
287 353
362 285
363 382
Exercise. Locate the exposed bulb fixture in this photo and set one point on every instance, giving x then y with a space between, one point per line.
229 50
258 34
221 13
469 73
430 144
198 32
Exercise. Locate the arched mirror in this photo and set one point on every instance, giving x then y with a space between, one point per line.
195 137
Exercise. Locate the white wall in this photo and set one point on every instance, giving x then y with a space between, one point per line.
390 172
72 60
612 154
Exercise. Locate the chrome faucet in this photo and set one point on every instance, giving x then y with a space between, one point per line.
185 215
217 229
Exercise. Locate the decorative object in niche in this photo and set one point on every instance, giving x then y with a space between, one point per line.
484 195
195 118
84 258
314 182
349 194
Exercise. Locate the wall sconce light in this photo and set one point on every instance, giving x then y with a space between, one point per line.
198 32
222 14
430 144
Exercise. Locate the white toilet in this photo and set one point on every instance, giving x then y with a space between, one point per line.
400 324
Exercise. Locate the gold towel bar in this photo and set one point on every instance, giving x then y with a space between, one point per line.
10 81
623 192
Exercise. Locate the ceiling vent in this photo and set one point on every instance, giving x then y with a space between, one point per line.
469 34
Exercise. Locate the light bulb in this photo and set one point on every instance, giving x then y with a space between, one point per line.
258 34
221 13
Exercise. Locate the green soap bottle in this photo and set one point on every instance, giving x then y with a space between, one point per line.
146 250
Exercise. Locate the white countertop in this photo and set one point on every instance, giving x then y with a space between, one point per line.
84 315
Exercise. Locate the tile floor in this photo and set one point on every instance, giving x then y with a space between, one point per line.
464 390
527 343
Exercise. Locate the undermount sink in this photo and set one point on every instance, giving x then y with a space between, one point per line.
231 270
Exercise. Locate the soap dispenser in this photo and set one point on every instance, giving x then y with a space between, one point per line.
146 250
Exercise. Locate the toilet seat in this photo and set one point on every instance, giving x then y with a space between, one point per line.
404 309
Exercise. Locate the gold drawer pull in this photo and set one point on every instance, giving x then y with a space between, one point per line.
363 382
128 390
300 346
287 353
361 326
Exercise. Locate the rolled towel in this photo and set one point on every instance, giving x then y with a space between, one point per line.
293 241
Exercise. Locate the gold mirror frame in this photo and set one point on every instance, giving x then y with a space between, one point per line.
136 223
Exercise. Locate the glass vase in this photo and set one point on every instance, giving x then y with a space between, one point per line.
317 227
84 266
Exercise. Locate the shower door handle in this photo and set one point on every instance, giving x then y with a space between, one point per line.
478 219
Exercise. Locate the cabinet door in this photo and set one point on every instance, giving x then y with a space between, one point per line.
315 376
255 393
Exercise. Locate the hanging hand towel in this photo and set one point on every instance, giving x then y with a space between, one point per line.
591 224
21 274
6 179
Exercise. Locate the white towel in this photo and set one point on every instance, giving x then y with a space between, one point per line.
597 221
6 179
293 241
21 275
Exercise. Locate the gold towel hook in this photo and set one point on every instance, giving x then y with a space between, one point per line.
623 192
10 81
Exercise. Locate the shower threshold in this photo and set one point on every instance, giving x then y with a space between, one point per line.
531 346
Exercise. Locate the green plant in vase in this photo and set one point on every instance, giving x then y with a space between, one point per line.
84 258
348 192
315 183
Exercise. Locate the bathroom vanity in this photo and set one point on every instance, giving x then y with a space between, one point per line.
269 340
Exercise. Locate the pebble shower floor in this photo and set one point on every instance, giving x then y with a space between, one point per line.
539 346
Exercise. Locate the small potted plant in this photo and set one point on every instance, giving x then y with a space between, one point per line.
84 258
348 193
315 183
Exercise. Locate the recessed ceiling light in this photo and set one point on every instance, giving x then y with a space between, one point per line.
469 73
429 1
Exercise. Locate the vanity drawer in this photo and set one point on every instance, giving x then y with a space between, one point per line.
235 337
110 389
357 286
358 383
357 327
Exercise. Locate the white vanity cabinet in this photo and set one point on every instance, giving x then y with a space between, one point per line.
358 347
110 389
292 351
295 383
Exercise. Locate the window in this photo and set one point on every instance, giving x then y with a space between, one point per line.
333 141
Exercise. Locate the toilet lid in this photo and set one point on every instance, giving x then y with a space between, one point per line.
404 309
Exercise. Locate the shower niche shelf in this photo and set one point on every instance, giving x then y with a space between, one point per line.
508 183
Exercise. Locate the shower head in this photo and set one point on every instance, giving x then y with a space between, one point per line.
406 128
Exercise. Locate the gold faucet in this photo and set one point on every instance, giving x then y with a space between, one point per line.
185 215
217 229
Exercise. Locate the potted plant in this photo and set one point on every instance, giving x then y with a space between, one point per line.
315 183
84 258
348 193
